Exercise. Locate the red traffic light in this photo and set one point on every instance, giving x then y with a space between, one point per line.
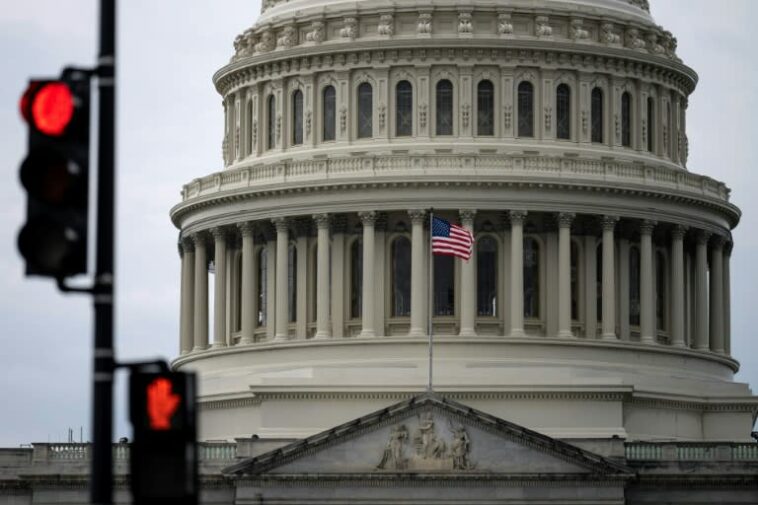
48 107
162 403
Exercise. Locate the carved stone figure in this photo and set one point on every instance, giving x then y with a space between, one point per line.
350 29
382 116
542 27
653 45
465 114
428 446
422 115
464 23
394 453
669 44
424 24
504 25
316 33
609 34
633 40
578 32
386 25
267 42
460 448
288 38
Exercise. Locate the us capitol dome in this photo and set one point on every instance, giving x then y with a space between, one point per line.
595 310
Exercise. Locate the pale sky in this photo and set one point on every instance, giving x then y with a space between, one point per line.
169 132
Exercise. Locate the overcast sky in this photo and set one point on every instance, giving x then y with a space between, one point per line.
169 132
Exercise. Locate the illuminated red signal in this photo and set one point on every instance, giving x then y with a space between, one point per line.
49 107
162 403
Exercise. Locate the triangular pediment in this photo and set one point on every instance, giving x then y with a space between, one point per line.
429 434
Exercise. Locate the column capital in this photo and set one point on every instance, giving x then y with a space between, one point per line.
219 232
322 221
467 217
703 237
281 224
246 228
718 241
728 246
608 223
417 216
647 226
200 238
368 218
564 219
517 216
678 231
187 244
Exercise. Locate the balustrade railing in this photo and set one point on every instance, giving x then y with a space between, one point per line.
691 451
68 452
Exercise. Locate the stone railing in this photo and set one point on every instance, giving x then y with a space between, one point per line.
489 168
68 452
691 451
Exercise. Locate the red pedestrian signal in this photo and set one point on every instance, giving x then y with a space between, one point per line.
162 403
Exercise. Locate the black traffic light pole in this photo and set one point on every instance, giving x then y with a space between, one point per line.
102 400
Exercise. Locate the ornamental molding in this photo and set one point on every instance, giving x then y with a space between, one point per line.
325 57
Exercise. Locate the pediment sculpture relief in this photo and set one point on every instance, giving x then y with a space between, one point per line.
428 448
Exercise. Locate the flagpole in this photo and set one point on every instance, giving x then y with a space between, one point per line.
430 299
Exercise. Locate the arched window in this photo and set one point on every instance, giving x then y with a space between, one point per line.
650 124
365 111
330 113
634 286
444 107
485 108
596 115
444 285
574 281
297 118
401 277
563 112
271 122
660 292
292 282
356 278
262 285
531 278
626 119
403 109
486 276
525 109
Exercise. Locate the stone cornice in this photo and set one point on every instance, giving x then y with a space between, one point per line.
518 53
470 170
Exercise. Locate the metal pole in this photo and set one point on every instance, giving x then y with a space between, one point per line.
102 396
430 308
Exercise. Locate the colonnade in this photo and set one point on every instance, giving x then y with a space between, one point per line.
697 303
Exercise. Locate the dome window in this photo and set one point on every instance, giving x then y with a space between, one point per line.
563 112
626 119
297 118
404 109
444 121
330 114
365 111
485 108
596 114
525 109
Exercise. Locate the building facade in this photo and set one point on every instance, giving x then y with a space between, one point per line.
581 356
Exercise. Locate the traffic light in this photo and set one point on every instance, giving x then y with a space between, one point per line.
55 175
164 453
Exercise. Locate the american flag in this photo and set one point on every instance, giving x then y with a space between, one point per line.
450 239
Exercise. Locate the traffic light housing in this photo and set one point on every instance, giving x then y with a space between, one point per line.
55 174
164 453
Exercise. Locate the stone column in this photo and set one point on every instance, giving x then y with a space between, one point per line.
468 283
419 296
303 230
282 292
564 274
186 333
367 296
517 273
701 291
727 300
647 288
717 296
248 301
219 299
677 285
339 226
201 293
323 321
623 289
609 279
